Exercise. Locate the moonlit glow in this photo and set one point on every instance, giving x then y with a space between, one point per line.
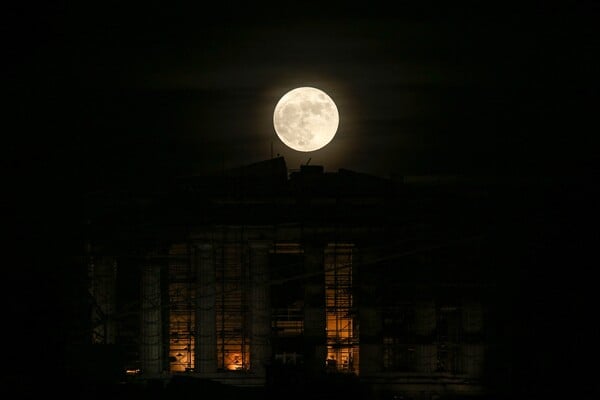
306 119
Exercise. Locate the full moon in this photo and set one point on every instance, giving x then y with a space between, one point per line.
306 119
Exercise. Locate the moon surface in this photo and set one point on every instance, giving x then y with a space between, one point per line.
306 119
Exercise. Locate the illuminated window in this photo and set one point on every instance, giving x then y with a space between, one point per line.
233 346
181 310
342 334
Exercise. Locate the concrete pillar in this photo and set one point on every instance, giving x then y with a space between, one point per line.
425 317
426 358
260 314
103 289
371 341
206 325
369 314
472 359
151 350
425 324
315 337
472 318
472 352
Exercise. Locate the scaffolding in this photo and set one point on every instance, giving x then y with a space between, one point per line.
233 345
182 293
448 339
151 318
230 309
342 332
399 345
102 273
287 302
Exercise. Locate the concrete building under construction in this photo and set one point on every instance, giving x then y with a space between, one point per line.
262 277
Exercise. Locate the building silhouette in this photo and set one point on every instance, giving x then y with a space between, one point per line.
277 281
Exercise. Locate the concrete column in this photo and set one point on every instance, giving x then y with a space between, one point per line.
426 358
369 313
472 352
151 350
425 323
103 277
472 318
260 350
206 325
315 337
371 346
425 317
472 359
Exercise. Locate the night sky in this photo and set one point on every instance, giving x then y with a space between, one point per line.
117 93
104 96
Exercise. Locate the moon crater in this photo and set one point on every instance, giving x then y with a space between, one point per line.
306 119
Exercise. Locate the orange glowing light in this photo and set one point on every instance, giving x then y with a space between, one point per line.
135 371
234 361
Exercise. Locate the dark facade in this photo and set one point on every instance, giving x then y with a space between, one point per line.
261 277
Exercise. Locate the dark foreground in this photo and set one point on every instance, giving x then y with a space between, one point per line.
331 388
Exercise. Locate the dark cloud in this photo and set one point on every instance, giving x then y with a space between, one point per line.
117 93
